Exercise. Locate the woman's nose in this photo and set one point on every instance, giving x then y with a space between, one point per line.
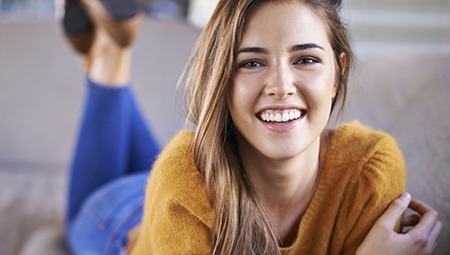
280 82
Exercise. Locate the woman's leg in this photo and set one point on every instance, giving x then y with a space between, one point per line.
106 192
101 153
143 145
113 138
113 141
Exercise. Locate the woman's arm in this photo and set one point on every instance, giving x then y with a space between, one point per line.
421 239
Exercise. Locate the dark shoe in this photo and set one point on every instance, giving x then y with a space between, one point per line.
120 18
121 9
77 27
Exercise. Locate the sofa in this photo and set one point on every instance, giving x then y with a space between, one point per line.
403 92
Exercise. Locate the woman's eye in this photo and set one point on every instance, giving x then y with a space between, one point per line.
307 61
251 64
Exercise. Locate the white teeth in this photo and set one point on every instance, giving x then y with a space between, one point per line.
281 117
277 117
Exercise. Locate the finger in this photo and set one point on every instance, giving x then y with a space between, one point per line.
410 220
432 241
434 234
396 209
427 220
419 206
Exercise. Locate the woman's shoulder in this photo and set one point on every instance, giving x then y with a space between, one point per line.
364 153
362 165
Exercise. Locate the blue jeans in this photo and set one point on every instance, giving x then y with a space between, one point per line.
102 224
114 153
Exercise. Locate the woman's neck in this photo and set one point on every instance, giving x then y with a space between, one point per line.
282 183
286 187
282 187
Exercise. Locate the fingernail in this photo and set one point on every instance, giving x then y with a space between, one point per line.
405 196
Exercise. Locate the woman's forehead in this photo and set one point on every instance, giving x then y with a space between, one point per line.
285 22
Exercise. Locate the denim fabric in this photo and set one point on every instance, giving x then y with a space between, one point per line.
101 226
113 155
113 141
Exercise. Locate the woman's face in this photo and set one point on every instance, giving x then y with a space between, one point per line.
281 95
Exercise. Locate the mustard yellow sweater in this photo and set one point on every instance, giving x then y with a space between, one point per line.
362 172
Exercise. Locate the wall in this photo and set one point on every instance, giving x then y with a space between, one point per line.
378 25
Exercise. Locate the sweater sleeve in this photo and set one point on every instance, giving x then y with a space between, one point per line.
176 212
380 181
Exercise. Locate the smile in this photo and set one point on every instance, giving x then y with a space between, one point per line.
281 116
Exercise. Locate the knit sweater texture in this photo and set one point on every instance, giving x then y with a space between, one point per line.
362 172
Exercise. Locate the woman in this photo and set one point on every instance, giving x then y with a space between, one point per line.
261 174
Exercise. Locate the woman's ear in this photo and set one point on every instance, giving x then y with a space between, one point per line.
343 64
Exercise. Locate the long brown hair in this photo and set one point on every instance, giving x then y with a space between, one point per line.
240 224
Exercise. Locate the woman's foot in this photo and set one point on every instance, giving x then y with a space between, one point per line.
77 27
102 31
116 24
119 18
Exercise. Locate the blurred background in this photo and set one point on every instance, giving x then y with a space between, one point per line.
372 23
400 84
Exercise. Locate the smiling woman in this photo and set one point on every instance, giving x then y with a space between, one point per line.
292 58
261 173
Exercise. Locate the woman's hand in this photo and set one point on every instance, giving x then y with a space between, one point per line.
420 239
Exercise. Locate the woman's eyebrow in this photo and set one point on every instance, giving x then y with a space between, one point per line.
297 47
252 50
306 46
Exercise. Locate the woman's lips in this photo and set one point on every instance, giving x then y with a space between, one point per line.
281 121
